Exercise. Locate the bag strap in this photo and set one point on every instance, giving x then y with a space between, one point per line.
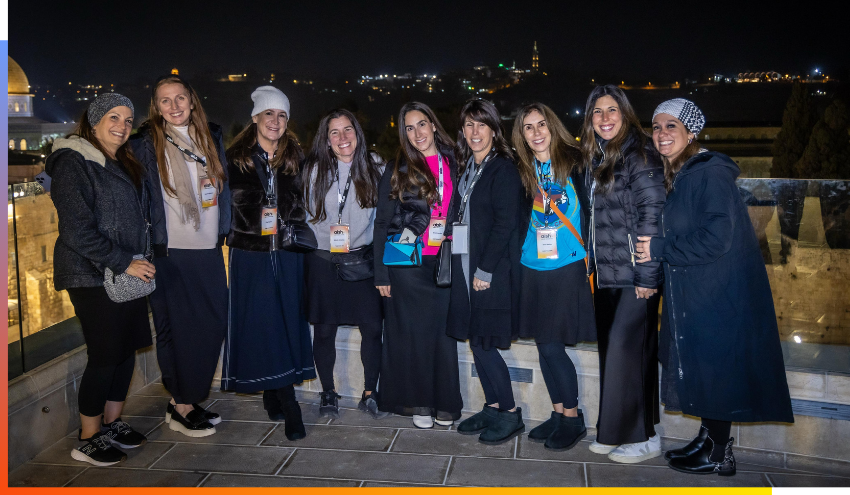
566 221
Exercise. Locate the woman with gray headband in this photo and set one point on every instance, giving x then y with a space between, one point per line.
101 201
719 338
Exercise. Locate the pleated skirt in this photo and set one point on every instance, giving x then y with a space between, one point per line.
419 365
268 343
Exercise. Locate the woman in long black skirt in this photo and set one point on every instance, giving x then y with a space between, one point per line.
341 191
190 211
486 268
419 369
101 201
556 306
268 341
627 195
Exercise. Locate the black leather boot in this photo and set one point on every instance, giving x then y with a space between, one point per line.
567 434
293 426
271 403
542 431
506 426
690 448
700 461
478 422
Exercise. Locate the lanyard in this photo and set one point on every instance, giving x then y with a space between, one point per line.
473 182
342 197
547 185
267 181
187 152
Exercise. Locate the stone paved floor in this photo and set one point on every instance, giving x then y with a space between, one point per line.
355 450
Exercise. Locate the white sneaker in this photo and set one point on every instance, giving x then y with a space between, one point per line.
423 422
441 422
601 448
631 453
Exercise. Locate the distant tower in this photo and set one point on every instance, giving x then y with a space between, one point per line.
535 59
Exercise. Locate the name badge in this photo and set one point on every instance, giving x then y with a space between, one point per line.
547 244
340 240
209 195
435 231
268 221
460 238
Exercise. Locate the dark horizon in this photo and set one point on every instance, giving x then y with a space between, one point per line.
112 43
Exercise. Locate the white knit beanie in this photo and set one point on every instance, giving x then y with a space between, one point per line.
266 97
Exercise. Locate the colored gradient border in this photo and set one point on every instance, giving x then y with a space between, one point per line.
4 253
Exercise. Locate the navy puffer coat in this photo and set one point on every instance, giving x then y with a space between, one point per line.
719 340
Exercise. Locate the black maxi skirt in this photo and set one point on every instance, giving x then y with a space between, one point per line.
331 301
628 366
112 331
419 365
189 309
268 342
557 305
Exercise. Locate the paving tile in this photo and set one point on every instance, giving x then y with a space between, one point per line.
140 405
224 458
219 394
798 480
226 432
449 443
136 477
60 453
153 390
355 417
580 453
368 466
634 475
510 472
818 465
238 480
252 410
36 475
336 437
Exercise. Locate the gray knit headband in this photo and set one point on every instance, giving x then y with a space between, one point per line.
684 110
105 103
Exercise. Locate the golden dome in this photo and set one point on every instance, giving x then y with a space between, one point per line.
18 82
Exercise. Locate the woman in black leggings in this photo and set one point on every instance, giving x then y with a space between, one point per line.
556 305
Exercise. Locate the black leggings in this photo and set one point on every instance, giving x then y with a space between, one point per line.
494 376
324 353
559 373
104 383
719 432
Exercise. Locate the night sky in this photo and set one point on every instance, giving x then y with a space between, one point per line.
99 42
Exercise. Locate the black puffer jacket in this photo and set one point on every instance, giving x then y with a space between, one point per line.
102 214
392 216
629 208
249 198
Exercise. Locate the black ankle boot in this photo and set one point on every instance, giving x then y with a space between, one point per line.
700 461
293 426
542 431
568 432
690 448
506 426
479 421
271 403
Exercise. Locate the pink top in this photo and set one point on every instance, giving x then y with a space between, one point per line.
443 210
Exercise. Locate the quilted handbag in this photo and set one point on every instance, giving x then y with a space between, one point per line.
402 253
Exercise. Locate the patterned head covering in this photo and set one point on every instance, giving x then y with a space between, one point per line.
105 103
685 111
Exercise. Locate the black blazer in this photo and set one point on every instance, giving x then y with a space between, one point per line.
497 207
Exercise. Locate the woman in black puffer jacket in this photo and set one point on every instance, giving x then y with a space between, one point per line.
627 195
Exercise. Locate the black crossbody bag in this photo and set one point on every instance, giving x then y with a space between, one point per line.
292 235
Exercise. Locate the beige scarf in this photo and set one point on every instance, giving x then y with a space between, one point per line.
181 180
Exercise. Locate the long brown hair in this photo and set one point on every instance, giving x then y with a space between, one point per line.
604 173
672 168
197 118
124 155
418 174
288 154
563 150
479 110
365 170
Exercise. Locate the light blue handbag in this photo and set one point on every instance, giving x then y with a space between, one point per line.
402 253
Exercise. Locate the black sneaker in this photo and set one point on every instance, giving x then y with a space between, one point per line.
194 425
329 405
370 406
123 435
99 451
210 416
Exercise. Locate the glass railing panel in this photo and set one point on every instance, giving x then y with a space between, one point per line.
803 227
16 367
